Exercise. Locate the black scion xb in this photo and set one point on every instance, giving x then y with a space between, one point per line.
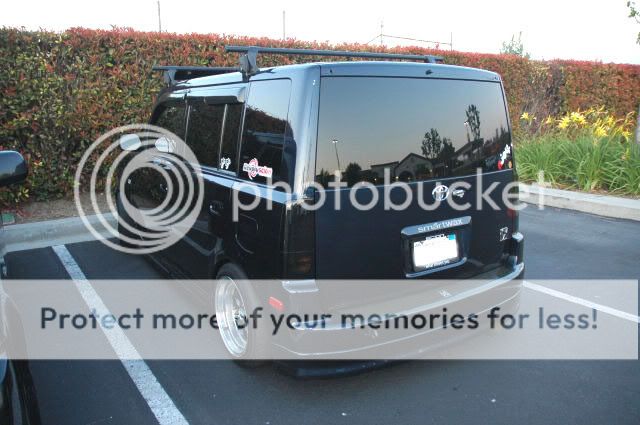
322 129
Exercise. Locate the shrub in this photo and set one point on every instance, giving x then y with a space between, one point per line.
60 91
590 150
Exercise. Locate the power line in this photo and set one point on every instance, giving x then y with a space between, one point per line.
381 36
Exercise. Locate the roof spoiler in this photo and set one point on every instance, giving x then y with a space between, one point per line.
174 74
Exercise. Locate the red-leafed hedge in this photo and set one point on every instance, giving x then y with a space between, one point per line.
59 92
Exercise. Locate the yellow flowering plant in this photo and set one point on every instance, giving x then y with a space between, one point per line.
590 150
596 122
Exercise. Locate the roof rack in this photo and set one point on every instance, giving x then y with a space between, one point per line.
173 74
248 63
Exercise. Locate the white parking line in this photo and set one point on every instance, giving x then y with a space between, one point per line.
156 397
581 301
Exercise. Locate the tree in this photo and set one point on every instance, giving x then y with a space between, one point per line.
514 47
435 147
473 123
352 173
447 149
431 144
635 14
324 177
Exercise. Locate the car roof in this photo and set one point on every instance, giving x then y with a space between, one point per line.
351 69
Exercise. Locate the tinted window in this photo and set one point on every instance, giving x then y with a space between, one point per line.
205 128
229 149
416 129
265 124
172 118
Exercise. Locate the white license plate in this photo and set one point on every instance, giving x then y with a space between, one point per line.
435 251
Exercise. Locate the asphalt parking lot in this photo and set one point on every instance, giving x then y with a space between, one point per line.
559 244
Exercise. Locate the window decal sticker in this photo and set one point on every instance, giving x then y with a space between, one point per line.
504 155
252 168
224 163
504 234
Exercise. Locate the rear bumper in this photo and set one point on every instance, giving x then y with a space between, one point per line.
341 343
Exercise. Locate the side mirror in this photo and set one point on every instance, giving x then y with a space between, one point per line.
13 168
165 145
130 142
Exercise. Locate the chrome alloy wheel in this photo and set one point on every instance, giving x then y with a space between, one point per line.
231 316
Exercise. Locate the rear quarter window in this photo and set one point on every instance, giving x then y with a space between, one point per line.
265 124
204 131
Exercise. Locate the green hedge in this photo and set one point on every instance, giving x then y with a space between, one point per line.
60 91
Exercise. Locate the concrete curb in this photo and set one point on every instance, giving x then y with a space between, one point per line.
604 205
19 237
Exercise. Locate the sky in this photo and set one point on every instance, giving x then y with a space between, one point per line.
567 29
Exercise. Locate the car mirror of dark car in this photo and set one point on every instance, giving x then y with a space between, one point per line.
130 142
13 168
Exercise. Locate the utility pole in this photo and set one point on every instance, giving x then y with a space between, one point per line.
284 34
159 20
335 145
381 32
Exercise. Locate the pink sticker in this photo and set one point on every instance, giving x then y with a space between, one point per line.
254 169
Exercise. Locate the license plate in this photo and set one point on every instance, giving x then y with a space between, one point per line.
435 251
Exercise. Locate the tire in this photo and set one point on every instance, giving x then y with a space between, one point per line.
232 280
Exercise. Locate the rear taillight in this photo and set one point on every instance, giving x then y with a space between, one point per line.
299 243
516 248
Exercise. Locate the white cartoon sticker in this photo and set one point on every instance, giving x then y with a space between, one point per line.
504 155
225 163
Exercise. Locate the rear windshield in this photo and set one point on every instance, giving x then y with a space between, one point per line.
413 129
